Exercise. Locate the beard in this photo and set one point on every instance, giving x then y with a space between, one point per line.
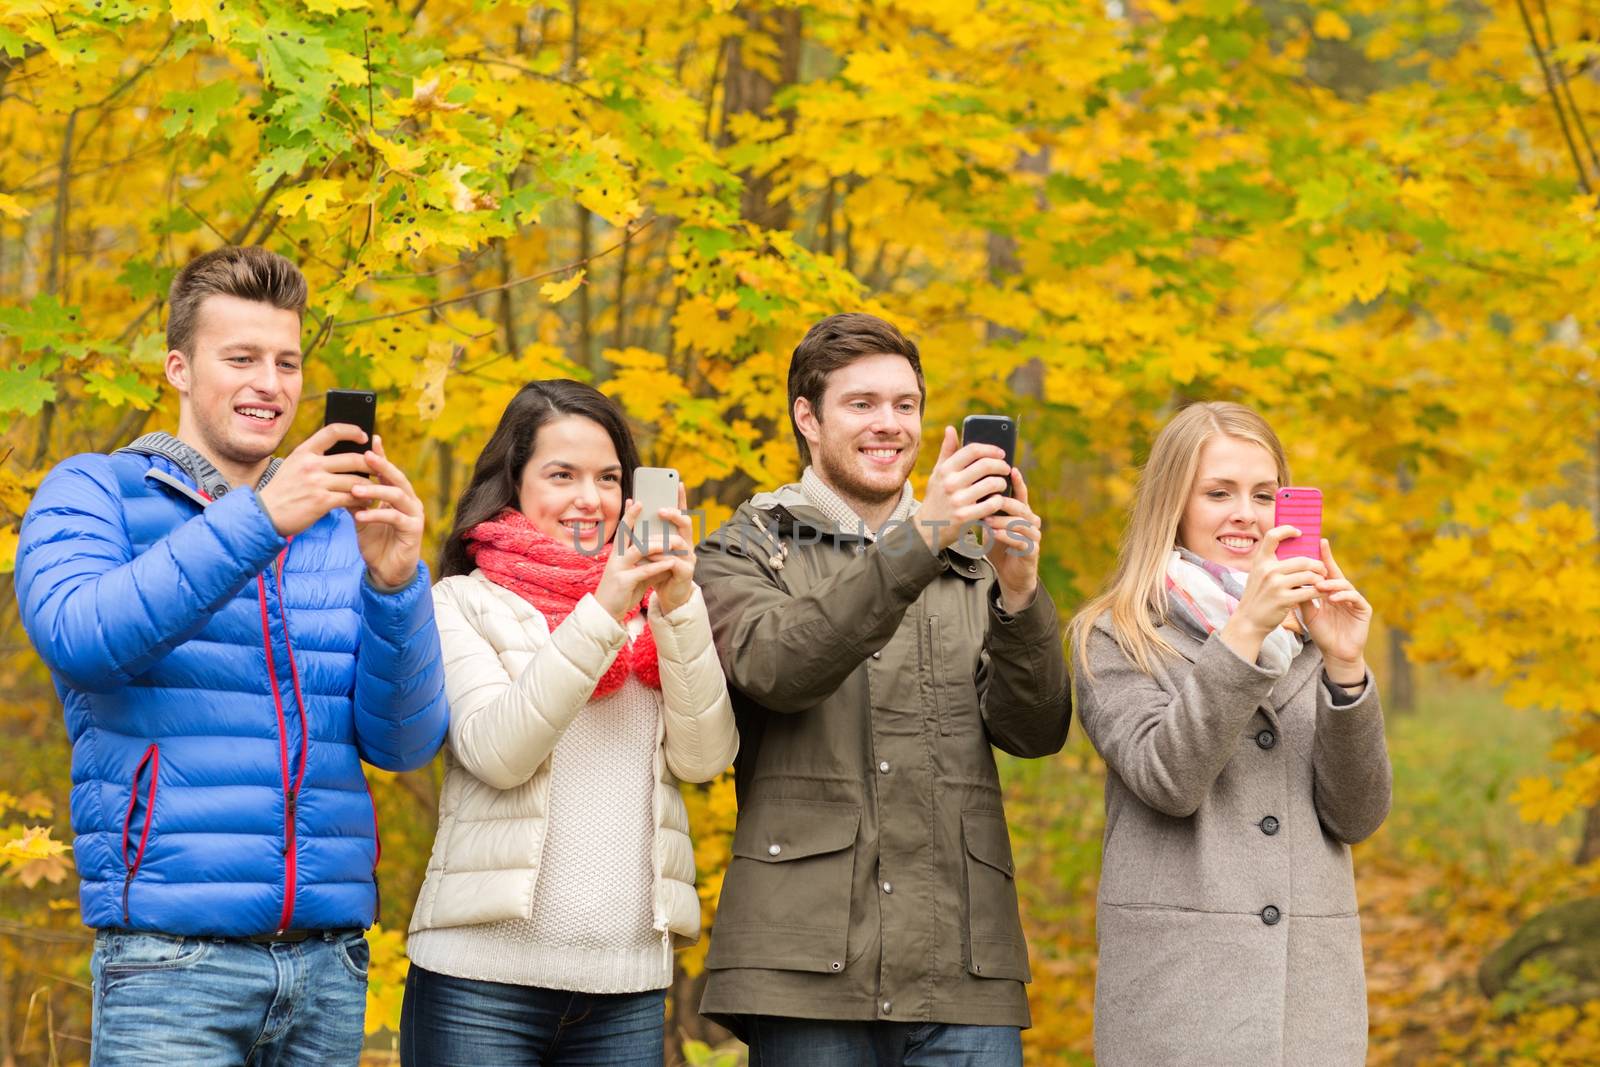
842 466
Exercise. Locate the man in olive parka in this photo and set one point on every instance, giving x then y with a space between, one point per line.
875 655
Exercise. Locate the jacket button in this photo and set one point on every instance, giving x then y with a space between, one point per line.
877 655
883 766
1269 826
887 888
773 850
888 1006
1270 915
835 966
1266 739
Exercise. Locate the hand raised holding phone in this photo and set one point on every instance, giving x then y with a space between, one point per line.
1339 621
312 482
965 487
1274 588
630 572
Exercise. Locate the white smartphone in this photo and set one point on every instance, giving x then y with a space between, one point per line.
654 488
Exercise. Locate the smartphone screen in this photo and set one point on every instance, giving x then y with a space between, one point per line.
355 407
1299 506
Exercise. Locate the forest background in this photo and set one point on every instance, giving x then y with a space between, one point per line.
1374 221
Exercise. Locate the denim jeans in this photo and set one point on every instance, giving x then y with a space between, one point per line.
216 1002
459 1022
780 1042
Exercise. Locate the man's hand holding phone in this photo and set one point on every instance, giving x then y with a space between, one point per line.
1015 537
390 529
309 483
965 488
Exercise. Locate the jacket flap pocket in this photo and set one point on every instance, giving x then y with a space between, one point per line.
776 831
987 840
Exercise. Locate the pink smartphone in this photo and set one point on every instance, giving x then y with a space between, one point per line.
1301 507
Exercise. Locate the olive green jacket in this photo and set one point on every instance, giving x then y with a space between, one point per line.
871 875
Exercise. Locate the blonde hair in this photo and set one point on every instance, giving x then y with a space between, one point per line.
1136 595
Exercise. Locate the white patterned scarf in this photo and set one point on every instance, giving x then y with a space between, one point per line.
1201 597
820 495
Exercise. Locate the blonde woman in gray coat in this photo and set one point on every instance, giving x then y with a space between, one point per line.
1229 694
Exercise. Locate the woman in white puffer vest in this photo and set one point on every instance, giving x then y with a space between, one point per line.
583 687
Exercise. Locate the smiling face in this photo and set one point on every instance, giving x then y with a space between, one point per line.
240 385
571 489
1230 505
865 434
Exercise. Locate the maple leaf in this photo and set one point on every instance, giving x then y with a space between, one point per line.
555 292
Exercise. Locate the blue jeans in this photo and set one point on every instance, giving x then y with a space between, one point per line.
779 1042
216 1002
459 1022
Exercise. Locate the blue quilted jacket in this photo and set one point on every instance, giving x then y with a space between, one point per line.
222 686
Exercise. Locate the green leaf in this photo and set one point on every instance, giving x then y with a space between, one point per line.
280 161
707 244
200 109
24 389
145 278
123 389
44 323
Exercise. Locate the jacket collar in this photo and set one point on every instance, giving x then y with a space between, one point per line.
189 460
785 511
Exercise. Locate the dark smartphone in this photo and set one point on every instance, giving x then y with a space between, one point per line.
993 430
355 407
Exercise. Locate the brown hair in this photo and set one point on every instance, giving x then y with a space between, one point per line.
1136 595
835 342
496 482
248 272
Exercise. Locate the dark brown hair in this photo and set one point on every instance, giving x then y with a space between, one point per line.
497 479
837 341
247 272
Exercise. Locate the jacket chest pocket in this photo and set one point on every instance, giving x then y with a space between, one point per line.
949 667
785 901
995 943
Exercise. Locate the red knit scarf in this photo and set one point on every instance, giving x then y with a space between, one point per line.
553 576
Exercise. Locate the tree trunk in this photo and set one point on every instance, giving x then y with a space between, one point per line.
1402 681
748 90
1589 846
1027 381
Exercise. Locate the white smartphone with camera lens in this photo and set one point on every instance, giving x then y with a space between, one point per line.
654 488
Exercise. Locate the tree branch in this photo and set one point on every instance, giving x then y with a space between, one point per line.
513 283
1555 97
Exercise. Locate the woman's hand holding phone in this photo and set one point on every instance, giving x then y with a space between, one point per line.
634 571
1339 623
1274 588
629 574
676 586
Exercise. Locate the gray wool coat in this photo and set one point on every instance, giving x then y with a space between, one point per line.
1227 909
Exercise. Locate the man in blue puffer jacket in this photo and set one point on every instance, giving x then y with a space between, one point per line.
231 635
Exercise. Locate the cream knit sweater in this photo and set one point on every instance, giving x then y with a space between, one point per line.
562 858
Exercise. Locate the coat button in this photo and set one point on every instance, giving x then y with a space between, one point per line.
887 888
877 655
1269 826
773 850
1266 739
1270 915
888 1006
835 966
883 766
